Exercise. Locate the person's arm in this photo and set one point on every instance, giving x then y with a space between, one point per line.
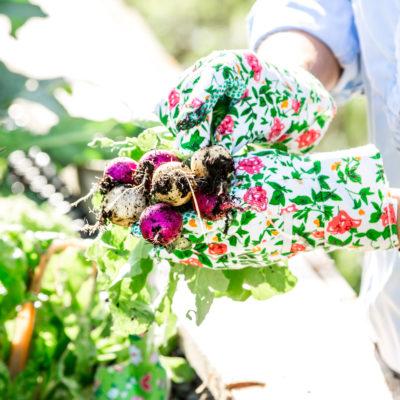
319 35
307 52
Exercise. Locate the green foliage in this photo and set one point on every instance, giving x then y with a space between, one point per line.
179 369
19 11
15 86
191 29
72 334
67 141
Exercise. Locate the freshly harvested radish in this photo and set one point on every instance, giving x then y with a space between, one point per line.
212 162
160 224
157 158
212 206
151 161
123 205
121 170
172 183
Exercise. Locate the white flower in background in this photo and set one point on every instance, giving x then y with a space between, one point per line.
136 355
154 358
113 393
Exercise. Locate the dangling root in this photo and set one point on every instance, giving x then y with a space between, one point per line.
202 227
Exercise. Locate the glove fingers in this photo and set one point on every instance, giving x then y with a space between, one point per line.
214 79
281 112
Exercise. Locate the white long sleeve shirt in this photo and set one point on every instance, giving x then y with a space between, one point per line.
364 35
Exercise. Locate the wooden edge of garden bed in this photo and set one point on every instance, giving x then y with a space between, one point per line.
238 362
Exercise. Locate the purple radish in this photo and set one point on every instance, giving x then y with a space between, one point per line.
160 224
157 158
121 170
212 206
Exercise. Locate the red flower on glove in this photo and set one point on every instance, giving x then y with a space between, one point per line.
217 248
257 198
276 129
254 65
308 138
173 98
388 216
318 234
251 165
226 125
296 247
194 262
342 223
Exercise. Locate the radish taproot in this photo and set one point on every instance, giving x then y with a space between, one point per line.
212 162
172 184
160 224
123 205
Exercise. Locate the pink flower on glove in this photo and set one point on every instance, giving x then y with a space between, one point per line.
388 216
252 165
257 198
296 104
173 98
226 125
276 129
289 209
196 103
245 94
254 65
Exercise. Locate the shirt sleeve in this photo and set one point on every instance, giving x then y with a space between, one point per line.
330 21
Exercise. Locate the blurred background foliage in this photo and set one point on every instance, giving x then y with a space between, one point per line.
193 28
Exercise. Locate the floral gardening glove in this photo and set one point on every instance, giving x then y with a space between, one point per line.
253 101
290 203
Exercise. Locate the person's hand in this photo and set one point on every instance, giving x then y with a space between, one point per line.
288 203
232 98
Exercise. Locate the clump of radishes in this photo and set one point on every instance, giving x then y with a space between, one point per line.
156 190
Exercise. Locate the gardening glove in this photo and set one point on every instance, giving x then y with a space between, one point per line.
232 98
287 203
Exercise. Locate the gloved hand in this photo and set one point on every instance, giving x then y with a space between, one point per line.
232 98
289 203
